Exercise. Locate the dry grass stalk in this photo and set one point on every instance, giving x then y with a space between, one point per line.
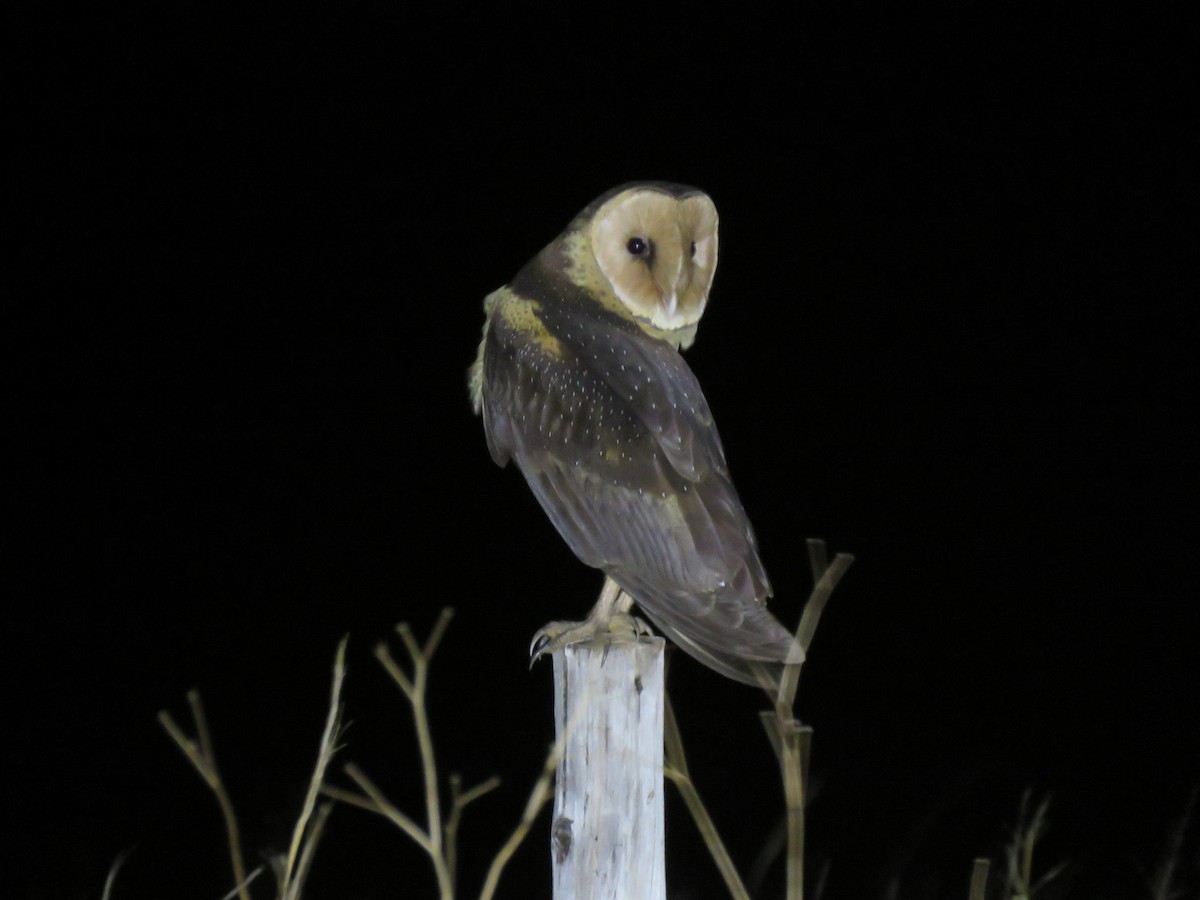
791 741
979 877
459 799
311 824
538 798
432 838
200 754
439 837
676 769
1163 883
1019 852
245 884
291 869
111 878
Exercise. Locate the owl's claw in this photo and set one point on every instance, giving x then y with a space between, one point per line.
553 636
641 627
542 639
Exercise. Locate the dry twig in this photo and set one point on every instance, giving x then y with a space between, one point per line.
538 798
676 769
459 799
439 837
290 870
111 878
1162 884
979 876
792 741
293 869
200 754
1019 852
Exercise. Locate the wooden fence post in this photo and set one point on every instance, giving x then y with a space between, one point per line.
606 839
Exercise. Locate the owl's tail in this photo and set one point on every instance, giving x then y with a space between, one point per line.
750 646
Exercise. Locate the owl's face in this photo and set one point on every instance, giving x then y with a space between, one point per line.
658 252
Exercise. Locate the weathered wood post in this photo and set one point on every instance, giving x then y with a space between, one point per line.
606 838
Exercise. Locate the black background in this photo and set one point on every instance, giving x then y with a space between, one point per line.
948 334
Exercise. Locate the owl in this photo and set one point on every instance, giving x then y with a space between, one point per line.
580 382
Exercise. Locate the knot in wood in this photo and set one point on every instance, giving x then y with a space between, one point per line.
561 836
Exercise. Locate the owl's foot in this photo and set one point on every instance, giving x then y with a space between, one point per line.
610 617
553 636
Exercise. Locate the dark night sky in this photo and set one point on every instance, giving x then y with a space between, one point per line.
948 335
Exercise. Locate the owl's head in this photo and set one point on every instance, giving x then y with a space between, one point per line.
655 245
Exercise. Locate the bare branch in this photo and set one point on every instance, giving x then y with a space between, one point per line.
410 643
790 764
438 840
675 768
385 658
459 800
433 809
385 808
435 636
825 579
187 745
1162 883
1019 852
414 689
469 796
245 884
537 799
206 749
111 878
202 758
350 797
308 830
315 828
979 876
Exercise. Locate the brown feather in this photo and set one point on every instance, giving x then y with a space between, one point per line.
612 432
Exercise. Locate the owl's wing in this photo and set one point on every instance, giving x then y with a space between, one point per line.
614 436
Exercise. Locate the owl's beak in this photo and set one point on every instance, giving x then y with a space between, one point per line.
671 303
668 287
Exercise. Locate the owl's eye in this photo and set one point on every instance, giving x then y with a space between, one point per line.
637 246
692 250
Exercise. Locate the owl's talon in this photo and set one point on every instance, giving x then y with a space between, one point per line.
553 636
543 639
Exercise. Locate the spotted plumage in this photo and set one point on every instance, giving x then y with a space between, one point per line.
580 381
